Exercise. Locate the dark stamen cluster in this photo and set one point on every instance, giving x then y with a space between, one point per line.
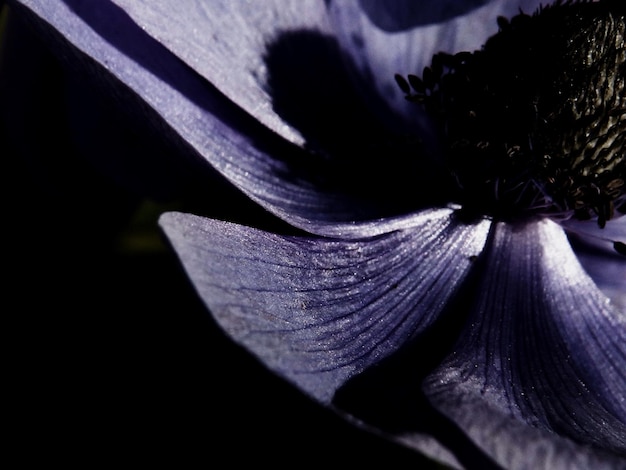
535 121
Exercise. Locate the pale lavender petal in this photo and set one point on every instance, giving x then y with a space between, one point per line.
378 54
226 43
318 311
539 375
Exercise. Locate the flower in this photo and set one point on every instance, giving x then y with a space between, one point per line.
475 339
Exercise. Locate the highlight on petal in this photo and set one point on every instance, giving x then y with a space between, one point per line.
225 43
541 367
315 310
379 54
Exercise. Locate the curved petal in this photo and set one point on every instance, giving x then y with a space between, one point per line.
317 311
379 54
135 70
540 374
226 43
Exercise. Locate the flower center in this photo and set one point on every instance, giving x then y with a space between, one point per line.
535 121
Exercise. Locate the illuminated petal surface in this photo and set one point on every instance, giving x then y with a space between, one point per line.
318 311
542 354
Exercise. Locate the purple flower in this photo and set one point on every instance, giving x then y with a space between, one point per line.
474 328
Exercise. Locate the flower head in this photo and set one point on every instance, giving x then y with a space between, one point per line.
436 280
533 121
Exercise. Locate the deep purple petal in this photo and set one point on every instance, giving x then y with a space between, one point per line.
226 43
379 54
318 311
540 373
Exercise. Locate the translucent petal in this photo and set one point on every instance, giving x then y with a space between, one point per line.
318 311
542 364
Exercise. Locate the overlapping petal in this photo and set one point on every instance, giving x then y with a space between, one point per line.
542 357
319 310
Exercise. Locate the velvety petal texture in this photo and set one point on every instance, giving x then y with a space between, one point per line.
317 311
542 359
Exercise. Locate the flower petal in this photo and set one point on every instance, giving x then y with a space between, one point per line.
226 43
379 54
318 311
542 364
